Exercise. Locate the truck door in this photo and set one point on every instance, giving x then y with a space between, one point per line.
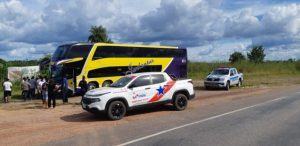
159 88
141 90
234 79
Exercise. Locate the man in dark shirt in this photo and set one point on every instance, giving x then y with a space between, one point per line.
65 89
83 86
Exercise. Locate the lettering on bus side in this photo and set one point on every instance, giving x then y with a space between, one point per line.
132 69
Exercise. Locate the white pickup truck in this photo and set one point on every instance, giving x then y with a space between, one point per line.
137 90
223 78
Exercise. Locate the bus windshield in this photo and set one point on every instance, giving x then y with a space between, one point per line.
71 51
60 52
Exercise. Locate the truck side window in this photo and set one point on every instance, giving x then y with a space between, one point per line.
231 73
157 79
141 81
235 72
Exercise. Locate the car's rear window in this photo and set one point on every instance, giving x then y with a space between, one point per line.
157 79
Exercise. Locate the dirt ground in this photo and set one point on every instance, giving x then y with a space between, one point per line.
28 123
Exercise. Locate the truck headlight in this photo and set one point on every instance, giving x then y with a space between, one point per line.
96 95
95 100
222 79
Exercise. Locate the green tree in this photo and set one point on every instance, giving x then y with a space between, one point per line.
257 54
99 34
237 57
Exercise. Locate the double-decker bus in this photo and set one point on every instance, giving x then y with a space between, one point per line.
103 63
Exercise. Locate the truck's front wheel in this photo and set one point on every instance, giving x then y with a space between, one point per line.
240 83
180 102
116 110
227 86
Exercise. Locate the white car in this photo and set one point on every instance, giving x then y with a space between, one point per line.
223 78
137 90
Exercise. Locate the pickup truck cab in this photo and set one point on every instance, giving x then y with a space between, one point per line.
137 90
223 78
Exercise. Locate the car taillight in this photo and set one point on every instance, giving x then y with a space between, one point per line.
190 82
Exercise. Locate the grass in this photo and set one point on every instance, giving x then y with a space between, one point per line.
268 73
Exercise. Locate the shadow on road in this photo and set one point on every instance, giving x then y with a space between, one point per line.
88 117
84 117
201 88
150 109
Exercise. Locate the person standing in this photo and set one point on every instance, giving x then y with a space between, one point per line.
65 89
25 88
51 94
32 82
83 86
7 85
45 93
42 81
38 87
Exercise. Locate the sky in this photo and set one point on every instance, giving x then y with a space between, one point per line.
210 29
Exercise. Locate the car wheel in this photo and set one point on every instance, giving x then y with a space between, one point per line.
92 86
180 102
227 86
106 83
116 110
239 84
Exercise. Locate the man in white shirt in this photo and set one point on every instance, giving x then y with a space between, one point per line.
7 89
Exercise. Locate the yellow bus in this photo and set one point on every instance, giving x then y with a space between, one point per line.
103 63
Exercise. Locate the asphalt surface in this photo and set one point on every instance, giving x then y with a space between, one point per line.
269 119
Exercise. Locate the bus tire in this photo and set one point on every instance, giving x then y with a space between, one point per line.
93 85
106 83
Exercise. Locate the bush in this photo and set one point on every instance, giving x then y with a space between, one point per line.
236 57
257 54
297 65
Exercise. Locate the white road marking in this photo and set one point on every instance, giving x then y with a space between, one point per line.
198 122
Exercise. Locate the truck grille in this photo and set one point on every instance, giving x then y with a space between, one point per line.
213 79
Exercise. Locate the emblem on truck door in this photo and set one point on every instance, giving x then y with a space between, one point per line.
160 90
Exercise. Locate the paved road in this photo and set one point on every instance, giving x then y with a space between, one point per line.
269 119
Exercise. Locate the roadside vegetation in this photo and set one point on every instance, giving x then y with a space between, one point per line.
271 72
256 71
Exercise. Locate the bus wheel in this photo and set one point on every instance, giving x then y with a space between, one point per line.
93 85
106 83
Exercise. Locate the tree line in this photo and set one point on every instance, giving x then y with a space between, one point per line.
256 55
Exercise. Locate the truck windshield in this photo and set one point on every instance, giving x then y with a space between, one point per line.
220 72
122 81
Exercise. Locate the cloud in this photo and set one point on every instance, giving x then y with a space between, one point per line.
211 29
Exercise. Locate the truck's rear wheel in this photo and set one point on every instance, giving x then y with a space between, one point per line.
180 102
116 110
